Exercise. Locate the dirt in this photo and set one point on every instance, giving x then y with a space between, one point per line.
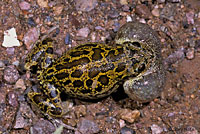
177 22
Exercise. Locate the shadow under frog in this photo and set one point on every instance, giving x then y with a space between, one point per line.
93 70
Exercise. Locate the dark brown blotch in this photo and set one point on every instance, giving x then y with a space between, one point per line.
68 65
67 82
93 72
38 98
104 79
86 45
121 67
89 83
112 56
78 83
62 75
77 73
79 53
97 54
81 61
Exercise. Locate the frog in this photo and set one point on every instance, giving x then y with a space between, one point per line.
96 70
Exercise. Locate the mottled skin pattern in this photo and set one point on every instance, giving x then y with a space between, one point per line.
93 70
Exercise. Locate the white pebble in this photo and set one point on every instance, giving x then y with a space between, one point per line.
10 38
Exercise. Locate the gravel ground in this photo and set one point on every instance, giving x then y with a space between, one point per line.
177 23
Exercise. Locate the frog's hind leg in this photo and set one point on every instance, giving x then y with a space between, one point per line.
38 51
48 105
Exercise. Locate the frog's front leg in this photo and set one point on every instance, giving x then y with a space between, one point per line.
48 102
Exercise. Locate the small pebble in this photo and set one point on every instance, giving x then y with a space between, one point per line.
58 9
190 17
126 130
88 127
20 84
123 2
129 115
80 111
176 56
1 64
197 44
168 12
83 32
31 22
31 37
93 36
23 115
122 123
10 50
143 11
161 1
13 99
16 63
126 8
198 29
175 1
190 54
24 5
155 12
74 21
10 38
99 28
41 127
67 39
185 24
85 5
113 13
20 122
128 18
116 26
11 75
42 3
156 129
171 114
191 130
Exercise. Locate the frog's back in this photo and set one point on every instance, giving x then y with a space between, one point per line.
89 71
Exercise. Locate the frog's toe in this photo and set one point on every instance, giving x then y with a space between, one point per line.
145 88
56 111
